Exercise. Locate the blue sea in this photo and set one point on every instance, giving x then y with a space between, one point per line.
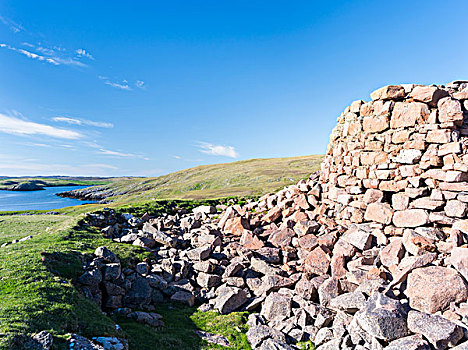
38 200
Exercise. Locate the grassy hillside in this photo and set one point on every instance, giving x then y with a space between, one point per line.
244 178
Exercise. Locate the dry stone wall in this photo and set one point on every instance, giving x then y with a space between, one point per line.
400 161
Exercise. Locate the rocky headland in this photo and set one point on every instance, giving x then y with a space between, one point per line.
95 193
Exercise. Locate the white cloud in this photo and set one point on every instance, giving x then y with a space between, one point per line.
91 144
16 126
115 153
49 56
84 53
32 144
76 121
45 50
69 62
177 157
123 86
109 152
218 150
43 145
14 27
140 84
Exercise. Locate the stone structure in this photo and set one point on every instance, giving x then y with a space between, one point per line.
401 160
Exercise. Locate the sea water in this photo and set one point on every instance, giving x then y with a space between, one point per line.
38 200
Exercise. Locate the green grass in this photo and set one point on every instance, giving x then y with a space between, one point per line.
179 331
232 326
306 345
36 290
253 177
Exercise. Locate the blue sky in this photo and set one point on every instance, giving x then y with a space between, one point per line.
148 87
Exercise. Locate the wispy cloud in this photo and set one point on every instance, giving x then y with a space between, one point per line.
92 144
30 54
13 26
177 157
45 50
17 126
44 145
140 84
42 52
109 152
122 86
218 150
33 144
84 53
46 56
81 122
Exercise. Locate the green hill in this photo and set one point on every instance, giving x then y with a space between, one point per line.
243 178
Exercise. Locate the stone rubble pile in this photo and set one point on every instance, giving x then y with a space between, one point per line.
369 254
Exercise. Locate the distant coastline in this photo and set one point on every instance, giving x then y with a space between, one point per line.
40 183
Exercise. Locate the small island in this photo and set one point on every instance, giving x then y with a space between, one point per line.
27 186
38 183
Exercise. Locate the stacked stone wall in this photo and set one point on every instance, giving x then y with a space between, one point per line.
400 161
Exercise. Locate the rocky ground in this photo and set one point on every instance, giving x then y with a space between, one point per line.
342 289
370 254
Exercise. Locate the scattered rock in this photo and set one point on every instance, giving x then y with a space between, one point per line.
440 332
184 298
412 342
276 307
383 318
230 299
213 338
44 339
433 288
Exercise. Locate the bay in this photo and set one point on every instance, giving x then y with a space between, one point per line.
38 200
